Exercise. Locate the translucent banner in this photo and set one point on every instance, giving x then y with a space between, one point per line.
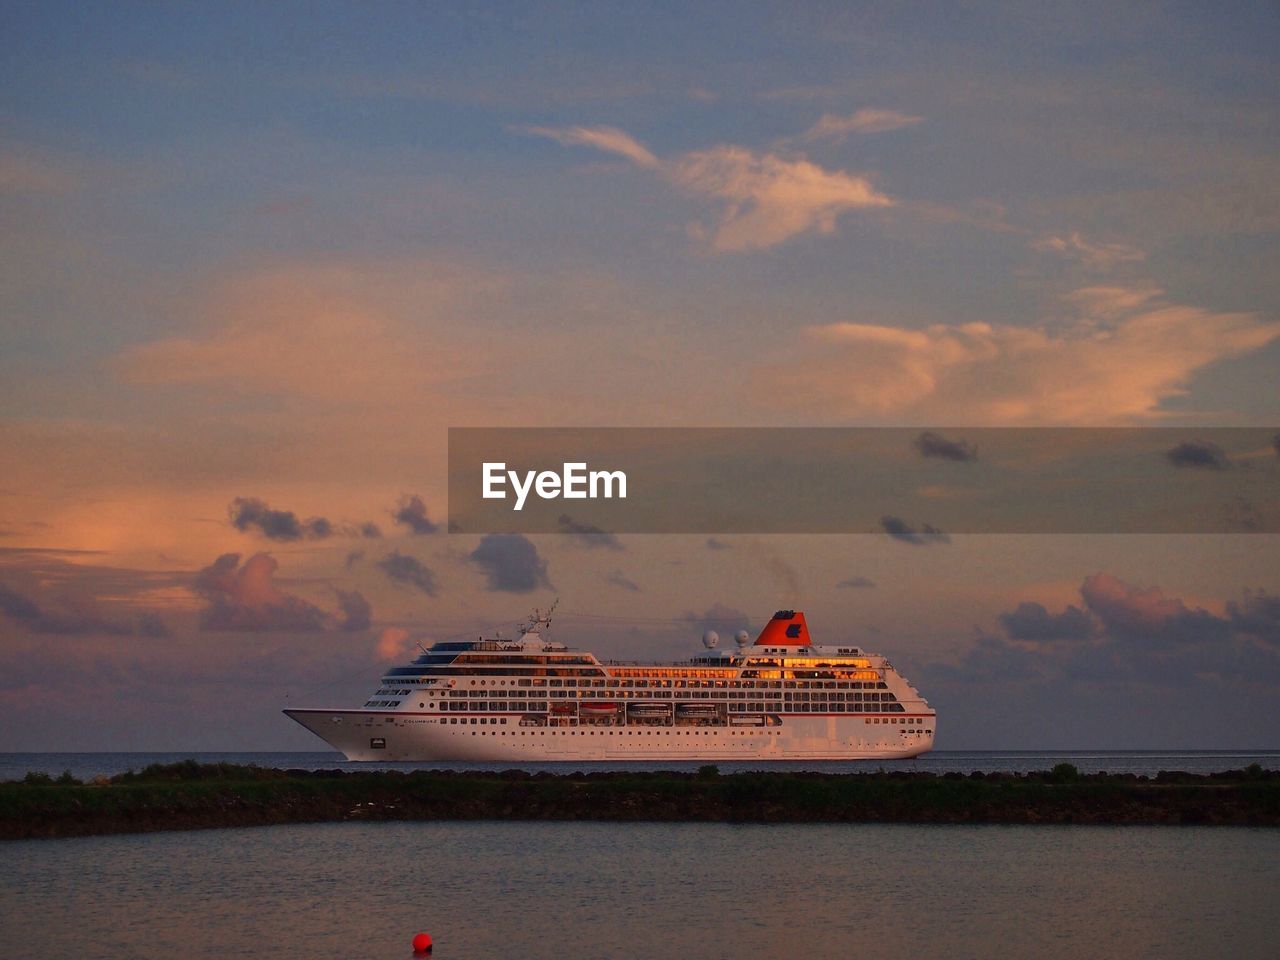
918 485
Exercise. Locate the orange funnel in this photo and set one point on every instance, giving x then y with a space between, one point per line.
786 629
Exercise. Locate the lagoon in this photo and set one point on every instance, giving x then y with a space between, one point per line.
644 890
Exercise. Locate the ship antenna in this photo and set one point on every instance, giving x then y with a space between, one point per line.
421 647
538 619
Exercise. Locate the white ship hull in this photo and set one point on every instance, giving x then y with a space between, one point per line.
399 736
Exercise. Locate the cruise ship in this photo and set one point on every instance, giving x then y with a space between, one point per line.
529 698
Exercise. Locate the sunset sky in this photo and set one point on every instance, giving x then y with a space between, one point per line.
257 259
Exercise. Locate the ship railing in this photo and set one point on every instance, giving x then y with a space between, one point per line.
663 663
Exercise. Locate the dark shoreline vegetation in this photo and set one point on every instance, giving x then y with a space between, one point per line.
190 795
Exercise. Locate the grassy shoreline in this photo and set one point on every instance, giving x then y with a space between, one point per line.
189 795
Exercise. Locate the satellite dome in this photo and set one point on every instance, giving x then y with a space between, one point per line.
710 639
742 638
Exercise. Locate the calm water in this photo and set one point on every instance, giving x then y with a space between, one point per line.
13 766
583 890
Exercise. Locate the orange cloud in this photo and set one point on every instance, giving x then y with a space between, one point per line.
1117 363
306 332
393 645
768 198
1119 603
833 127
1099 256
608 139
244 597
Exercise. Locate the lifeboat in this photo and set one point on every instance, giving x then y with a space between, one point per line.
649 709
701 710
598 708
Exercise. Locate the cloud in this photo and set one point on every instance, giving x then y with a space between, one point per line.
1126 638
1198 454
723 619
393 645
59 592
587 534
856 583
67 622
1128 611
1098 304
1119 615
510 563
607 139
247 513
833 127
369 530
17 606
1258 616
328 333
150 625
798 92
935 445
1099 256
411 512
786 580
403 568
1115 365
354 557
1031 621
618 579
899 529
714 544
26 174
356 611
768 198
245 598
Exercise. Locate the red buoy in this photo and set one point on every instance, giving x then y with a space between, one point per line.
422 943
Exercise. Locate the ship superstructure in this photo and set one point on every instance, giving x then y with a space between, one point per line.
781 697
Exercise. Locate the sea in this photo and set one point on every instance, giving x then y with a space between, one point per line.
528 890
